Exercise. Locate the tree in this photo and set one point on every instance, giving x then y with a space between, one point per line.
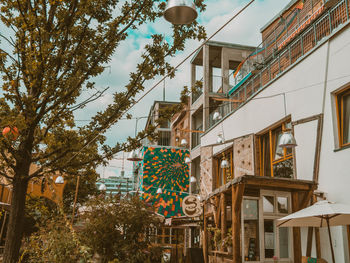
54 49
117 228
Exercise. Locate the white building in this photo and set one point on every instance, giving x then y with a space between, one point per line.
298 78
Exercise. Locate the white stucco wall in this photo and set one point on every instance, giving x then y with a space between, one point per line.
307 94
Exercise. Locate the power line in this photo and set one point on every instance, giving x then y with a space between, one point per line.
160 81
259 98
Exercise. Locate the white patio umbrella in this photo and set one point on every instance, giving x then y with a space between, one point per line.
321 214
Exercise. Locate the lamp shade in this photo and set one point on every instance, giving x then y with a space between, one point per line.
220 139
193 179
102 187
217 116
224 164
134 156
287 140
159 190
184 142
187 160
180 12
59 180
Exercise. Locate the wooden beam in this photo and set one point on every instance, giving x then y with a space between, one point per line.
237 196
296 230
318 243
275 183
318 149
194 131
306 200
223 217
217 212
317 234
205 236
228 100
309 241
348 230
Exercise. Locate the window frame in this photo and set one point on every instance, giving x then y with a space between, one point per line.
274 216
272 145
339 101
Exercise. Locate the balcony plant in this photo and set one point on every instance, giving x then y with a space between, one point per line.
228 241
216 233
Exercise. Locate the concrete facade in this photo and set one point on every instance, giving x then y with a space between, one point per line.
304 93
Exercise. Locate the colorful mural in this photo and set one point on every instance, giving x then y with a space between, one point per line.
165 168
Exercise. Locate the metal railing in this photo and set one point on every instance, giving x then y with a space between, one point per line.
326 24
280 35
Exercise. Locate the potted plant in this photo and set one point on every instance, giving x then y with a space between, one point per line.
228 241
216 232
217 238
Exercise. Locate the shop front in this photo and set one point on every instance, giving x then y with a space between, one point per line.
240 220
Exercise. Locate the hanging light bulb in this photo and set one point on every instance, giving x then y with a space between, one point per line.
102 187
180 12
187 160
217 116
159 190
135 156
220 139
224 164
59 180
287 140
193 179
183 142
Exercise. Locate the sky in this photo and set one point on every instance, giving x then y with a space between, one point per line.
245 29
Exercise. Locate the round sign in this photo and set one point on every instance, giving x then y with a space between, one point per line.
191 206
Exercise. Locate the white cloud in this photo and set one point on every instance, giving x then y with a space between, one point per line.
243 30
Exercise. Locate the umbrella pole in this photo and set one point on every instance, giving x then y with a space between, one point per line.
330 239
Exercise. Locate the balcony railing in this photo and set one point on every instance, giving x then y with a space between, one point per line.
300 46
279 36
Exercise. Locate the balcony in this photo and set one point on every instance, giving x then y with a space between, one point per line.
297 48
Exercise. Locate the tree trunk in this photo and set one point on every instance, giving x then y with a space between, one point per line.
15 225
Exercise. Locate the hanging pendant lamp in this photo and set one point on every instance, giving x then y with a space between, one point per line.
159 190
220 139
183 142
193 179
180 12
134 156
59 180
187 160
287 140
102 187
224 164
217 116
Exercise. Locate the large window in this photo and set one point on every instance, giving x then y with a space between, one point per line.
275 161
250 229
223 175
343 115
276 241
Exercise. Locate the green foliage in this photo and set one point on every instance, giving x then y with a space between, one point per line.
38 212
111 230
53 49
87 188
55 243
116 228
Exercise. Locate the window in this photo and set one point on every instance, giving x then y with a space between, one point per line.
275 161
276 240
343 115
223 175
251 239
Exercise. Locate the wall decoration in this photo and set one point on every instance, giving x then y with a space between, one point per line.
165 168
